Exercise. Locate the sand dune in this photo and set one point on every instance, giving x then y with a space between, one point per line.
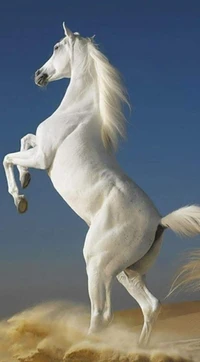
56 332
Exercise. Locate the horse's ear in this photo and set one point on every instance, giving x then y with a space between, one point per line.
67 31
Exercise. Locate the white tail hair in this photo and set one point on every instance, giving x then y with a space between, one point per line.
188 276
112 95
184 221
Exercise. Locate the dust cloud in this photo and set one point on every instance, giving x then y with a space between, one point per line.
57 331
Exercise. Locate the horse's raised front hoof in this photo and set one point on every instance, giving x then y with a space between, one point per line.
21 204
25 179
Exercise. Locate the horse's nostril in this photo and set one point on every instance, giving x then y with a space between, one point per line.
41 78
37 72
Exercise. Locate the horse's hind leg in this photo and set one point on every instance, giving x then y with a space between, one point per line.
135 285
26 142
99 286
133 280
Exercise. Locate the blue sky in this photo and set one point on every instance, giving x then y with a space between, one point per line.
155 45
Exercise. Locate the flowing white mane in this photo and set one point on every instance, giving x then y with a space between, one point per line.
112 95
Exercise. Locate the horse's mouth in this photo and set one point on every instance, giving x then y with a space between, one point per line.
42 80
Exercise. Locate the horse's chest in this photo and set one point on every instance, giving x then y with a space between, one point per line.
75 181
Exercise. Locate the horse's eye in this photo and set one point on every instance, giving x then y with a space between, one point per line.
56 47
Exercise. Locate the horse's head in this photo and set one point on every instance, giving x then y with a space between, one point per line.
59 65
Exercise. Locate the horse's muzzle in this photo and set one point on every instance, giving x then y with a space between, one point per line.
41 79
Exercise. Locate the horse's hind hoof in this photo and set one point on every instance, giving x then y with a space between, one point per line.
25 179
21 204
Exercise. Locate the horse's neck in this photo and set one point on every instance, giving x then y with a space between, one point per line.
81 101
81 94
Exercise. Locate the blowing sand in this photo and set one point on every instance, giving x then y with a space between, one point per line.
56 332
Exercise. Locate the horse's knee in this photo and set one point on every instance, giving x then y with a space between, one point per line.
26 138
6 161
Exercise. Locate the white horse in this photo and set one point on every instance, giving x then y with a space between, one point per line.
76 145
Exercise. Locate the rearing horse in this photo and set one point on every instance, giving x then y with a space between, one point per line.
76 145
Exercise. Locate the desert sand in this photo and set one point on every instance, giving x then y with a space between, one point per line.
56 331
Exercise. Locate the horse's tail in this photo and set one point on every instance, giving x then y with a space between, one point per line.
184 221
188 275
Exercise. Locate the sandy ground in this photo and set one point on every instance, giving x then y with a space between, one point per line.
55 332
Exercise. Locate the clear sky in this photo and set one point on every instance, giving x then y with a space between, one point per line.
155 45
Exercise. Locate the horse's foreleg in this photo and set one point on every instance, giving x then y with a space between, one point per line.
30 158
26 142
